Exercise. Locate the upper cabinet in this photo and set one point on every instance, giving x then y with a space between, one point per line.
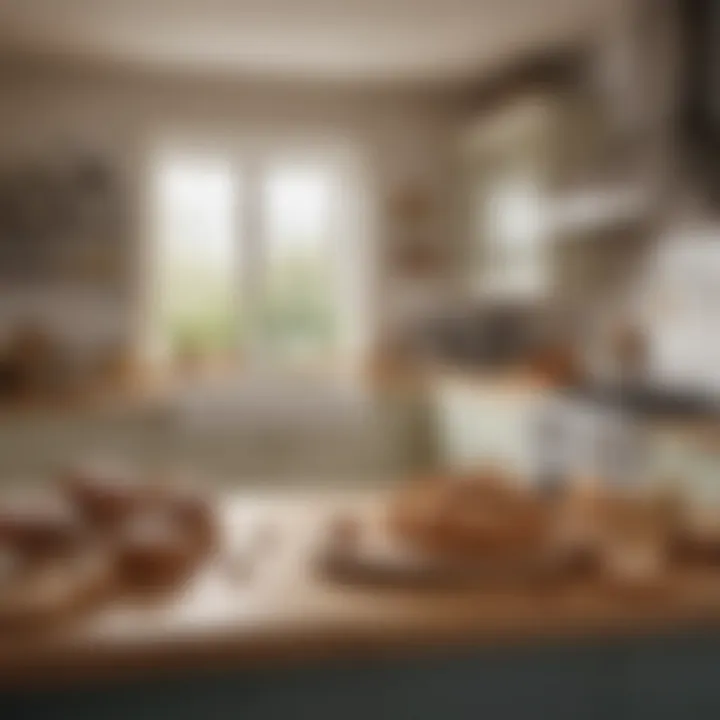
508 155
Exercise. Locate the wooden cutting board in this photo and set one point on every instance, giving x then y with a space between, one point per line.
375 557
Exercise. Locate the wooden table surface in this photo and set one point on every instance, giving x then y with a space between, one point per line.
284 611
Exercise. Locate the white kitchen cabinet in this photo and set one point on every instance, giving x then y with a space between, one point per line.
487 423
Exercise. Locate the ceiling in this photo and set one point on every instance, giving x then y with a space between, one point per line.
406 40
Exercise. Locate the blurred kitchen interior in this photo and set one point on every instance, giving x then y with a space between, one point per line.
345 243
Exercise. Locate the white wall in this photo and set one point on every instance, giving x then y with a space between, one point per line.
408 137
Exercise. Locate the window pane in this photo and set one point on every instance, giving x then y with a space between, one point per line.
514 214
298 309
197 264
517 250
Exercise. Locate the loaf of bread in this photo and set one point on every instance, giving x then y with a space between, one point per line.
111 497
106 495
154 549
629 536
39 525
477 516
35 592
193 511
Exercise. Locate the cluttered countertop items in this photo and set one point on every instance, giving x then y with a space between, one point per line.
484 530
100 532
257 576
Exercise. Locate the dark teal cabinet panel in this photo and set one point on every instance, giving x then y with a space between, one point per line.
656 678
672 678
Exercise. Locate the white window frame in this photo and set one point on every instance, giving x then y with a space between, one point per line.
490 142
250 154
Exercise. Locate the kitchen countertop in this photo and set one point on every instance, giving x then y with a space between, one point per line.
284 611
